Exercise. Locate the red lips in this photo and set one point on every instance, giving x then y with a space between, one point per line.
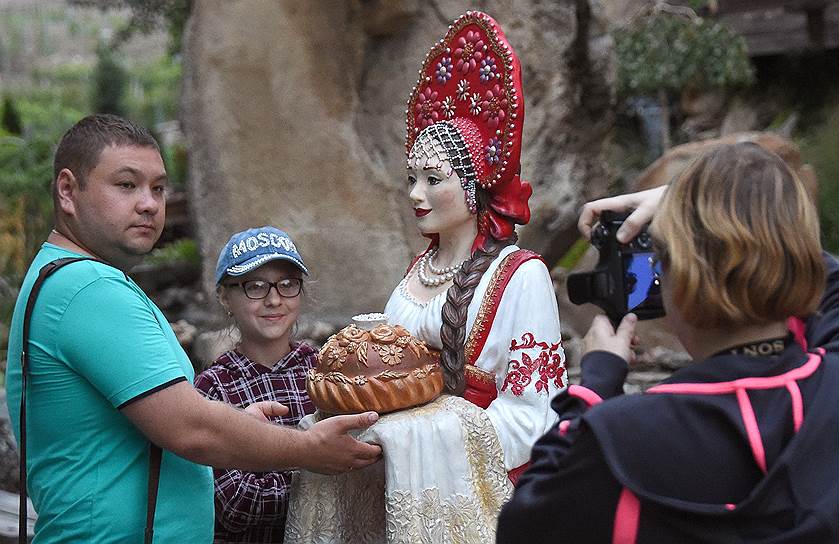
419 212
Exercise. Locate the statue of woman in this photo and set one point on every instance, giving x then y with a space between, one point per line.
487 305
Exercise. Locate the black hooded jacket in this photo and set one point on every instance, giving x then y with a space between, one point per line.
688 466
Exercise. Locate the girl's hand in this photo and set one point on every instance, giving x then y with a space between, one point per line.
267 409
602 337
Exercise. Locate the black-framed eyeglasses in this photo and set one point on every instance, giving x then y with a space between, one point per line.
258 289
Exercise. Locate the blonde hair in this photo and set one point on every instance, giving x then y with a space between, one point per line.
738 236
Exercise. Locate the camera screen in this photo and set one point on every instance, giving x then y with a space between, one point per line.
641 277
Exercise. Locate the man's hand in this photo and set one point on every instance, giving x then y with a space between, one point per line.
644 203
265 410
333 451
602 337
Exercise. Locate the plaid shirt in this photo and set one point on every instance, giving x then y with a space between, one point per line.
251 506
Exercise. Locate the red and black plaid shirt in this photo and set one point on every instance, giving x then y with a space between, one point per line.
251 506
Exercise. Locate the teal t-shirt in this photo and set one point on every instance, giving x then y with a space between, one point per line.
96 343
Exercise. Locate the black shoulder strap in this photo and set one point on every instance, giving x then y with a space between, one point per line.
154 454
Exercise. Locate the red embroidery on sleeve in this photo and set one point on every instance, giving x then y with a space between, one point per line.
548 363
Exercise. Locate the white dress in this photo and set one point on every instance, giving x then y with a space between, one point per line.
522 350
441 480
443 477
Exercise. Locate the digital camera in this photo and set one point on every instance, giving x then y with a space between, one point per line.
626 278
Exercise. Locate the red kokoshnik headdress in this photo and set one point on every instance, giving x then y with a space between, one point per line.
471 80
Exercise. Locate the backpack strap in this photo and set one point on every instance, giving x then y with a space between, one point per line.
627 516
155 453
740 388
628 508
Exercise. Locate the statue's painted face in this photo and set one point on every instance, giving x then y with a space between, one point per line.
435 190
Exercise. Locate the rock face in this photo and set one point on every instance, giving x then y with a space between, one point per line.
294 116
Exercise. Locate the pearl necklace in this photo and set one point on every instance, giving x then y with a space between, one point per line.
444 274
445 270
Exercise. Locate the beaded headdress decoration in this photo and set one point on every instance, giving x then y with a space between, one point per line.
427 147
468 97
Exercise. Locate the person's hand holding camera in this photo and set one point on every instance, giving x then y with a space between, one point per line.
603 337
644 204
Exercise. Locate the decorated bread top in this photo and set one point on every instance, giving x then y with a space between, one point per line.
382 369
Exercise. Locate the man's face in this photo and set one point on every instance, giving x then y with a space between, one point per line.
119 214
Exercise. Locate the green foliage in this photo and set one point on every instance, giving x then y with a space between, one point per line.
56 99
109 84
184 250
155 91
44 112
25 165
26 160
674 53
176 159
25 174
818 148
11 118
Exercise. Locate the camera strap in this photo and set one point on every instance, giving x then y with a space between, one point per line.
764 348
155 453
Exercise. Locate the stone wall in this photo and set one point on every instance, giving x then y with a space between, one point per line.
294 115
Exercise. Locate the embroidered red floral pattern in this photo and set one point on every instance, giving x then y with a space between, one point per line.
548 363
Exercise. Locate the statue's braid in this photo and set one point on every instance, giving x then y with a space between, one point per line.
458 298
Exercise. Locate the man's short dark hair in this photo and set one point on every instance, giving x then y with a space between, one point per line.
82 144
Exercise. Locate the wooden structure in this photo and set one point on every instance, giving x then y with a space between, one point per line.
773 27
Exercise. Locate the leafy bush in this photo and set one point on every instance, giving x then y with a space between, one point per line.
675 53
11 118
662 53
154 92
184 250
25 174
109 83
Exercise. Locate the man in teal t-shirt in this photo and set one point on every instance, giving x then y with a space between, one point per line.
88 464
107 375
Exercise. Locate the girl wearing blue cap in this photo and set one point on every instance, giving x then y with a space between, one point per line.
259 280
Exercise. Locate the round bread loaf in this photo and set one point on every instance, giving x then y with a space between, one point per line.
383 370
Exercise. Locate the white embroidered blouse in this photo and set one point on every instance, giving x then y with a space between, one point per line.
523 350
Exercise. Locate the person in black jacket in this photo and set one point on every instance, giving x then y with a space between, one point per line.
740 445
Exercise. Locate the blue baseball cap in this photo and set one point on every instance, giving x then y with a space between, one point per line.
250 249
